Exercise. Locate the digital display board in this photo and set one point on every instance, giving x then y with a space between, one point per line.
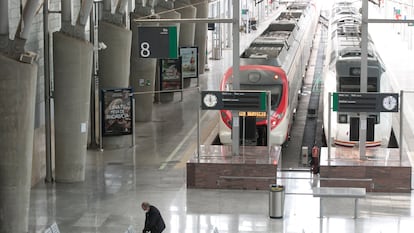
365 102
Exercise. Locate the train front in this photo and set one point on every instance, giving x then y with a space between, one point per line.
260 78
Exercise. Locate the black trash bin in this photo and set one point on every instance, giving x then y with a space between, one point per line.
276 201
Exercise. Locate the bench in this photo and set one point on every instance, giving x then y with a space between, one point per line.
339 192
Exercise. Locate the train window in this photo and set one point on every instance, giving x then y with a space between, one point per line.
275 100
276 92
352 84
342 118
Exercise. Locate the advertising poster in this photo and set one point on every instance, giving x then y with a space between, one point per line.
171 76
189 56
117 112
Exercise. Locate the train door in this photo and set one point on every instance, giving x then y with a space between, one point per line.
354 129
248 134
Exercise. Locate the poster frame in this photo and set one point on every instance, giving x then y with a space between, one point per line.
189 69
169 62
116 96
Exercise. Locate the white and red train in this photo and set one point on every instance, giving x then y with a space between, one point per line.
275 61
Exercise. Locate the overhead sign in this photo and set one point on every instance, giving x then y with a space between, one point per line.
234 100
365 102
157 42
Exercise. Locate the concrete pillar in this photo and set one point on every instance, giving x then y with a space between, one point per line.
201 33
72 67
114 61
166 13
186 29
17 108
114 68
142 75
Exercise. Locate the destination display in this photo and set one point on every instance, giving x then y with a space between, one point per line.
234 100
365 102
253 114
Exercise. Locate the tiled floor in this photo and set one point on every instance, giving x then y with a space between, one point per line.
118 180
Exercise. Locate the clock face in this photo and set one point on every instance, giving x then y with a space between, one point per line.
210 100
389 102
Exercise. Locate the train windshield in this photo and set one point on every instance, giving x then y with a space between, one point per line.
352 84
276 92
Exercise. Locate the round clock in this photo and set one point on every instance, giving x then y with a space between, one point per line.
389 102
210 100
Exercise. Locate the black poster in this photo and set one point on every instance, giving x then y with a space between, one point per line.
171 76
117 112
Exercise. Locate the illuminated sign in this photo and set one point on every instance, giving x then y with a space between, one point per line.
253 114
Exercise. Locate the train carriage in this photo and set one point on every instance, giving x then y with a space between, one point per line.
275 61
343 71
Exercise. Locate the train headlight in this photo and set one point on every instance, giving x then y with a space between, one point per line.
343 118
276 119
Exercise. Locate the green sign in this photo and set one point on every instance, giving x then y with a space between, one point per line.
234 100
364 102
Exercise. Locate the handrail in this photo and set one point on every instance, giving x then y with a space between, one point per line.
295 178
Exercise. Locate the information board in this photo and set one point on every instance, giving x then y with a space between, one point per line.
234 100
365 102
157 42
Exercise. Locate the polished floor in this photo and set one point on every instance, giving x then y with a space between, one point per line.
118 180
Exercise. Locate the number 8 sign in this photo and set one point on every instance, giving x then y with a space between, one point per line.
145 52
158 42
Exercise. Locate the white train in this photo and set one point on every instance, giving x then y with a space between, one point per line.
275 61
342 74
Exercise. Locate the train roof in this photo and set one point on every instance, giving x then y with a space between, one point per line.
273 44
345 31
298 6
272 41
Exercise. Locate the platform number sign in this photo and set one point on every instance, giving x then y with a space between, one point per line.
158 42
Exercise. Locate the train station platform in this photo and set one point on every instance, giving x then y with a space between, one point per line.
216 167
379 170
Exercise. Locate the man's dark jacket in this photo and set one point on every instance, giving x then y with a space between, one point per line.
153 221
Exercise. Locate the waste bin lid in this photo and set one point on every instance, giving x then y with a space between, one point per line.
275 187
